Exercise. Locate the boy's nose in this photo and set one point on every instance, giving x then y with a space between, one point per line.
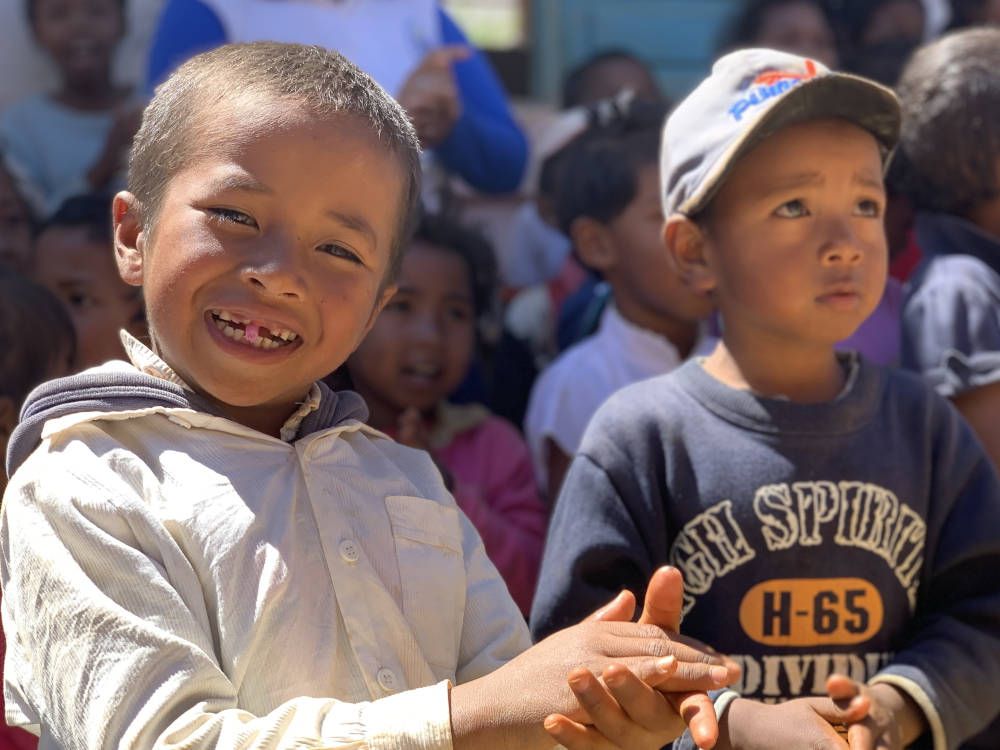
277 274
841 246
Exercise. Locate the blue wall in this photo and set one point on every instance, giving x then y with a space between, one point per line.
677 37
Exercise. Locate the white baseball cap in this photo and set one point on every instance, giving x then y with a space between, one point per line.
750 95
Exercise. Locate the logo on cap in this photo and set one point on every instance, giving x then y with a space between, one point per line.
768 85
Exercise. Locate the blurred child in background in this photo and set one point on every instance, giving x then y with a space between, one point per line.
949 168
878 36
606 74
36 344
417 353
799 26
608 203
73 140
15 225
74 259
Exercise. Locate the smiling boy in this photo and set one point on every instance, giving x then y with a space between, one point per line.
206 548
829 516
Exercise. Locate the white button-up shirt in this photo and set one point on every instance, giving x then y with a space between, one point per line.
175 579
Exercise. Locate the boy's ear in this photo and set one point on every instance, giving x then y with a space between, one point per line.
593 244
130 238
687 242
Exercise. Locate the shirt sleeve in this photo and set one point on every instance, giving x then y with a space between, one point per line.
951 335
954 651
486 147
111 641
186 28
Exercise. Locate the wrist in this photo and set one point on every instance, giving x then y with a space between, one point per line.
905 712
732 720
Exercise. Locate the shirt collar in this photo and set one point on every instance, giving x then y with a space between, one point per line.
147 361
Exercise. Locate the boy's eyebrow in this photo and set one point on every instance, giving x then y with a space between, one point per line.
353 221
803 179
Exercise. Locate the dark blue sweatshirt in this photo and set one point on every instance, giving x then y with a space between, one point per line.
859 536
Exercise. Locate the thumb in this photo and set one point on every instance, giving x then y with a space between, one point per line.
664 599
444 56
619 609
851 713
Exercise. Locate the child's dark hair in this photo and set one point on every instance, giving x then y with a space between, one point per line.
599 174
91 211
579 79
950 139
31 10
744 28
472 247
34 329
310 78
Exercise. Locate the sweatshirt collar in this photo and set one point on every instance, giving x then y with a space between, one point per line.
147 361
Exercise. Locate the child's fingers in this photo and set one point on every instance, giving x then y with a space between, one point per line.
664 599
574 736
698 712
603 709
641 703
849 696
837 715
862 737
619 609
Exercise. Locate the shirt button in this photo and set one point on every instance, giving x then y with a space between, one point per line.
387 679
349 551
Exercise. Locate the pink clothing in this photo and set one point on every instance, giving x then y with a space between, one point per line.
495 486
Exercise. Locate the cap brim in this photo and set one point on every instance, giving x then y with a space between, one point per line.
866 104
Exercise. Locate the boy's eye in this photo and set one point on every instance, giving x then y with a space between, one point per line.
399 305
792 210
231 216
869 208
81 300
460 313
340 251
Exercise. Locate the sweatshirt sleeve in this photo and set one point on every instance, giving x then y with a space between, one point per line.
950 666
596 546
951 333
486 147
111 642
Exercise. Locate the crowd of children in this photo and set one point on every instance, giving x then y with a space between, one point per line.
303 462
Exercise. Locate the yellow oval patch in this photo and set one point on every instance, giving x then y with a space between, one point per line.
812 611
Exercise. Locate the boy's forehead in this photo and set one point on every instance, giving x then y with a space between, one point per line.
803 152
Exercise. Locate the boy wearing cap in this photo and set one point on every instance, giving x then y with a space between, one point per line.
830 517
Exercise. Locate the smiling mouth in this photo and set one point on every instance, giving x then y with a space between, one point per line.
251 333
424 371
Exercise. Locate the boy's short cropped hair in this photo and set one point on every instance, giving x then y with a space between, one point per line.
950 140
598 174
319 81
34 329
751 94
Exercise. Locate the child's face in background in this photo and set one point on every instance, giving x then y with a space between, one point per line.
795 240
80 36
78 267
15 227
265 266
647 287
800 28
421 345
